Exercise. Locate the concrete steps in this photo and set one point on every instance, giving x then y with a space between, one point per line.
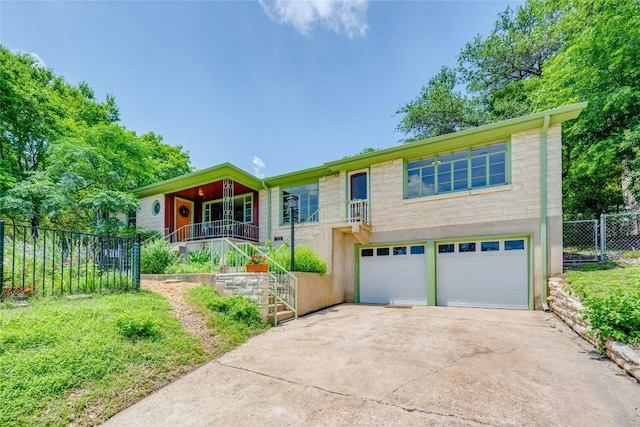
283 312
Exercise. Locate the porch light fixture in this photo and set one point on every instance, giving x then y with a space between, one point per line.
200 192
292 206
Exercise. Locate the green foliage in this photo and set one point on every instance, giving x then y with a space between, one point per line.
201 256
543 55
156 256
237 308
232 319
63 362
438 109
305 258
611 296
135 326
63 157
189 268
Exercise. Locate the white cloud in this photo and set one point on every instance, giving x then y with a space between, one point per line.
38 62
341 16
258 167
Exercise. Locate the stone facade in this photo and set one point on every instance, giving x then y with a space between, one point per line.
254 286
569 310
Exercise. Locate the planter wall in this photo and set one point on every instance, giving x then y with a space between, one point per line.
316 292
568 309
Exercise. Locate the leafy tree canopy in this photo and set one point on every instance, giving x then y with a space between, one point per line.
545 54
64 159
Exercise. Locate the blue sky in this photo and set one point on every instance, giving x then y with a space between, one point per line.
278 84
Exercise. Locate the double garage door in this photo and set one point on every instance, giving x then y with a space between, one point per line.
474 273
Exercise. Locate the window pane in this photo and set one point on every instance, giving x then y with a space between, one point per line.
366 252
489 246
446 248
460 155
445 158
382 251
307 202
496 158
497 179
413 183
400 250
513 245
479 161
417 250
466 247
496 148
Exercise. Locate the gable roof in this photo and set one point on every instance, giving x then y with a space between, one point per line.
201 177
488 133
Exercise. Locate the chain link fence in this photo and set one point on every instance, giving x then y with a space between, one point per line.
613 236
620 235
580 240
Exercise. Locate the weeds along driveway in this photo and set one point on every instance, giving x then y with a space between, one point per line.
370 365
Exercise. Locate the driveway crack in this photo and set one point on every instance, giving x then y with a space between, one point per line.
364 399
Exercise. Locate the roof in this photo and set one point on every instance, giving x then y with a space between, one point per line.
487 133
201 177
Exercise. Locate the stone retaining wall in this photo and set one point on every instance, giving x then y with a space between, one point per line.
569 309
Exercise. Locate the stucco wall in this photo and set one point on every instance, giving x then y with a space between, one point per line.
316 292
145 218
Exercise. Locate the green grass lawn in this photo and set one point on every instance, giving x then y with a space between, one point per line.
80 361
235 319
610 292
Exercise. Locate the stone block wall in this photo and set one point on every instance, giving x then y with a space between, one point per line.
254 286
569 309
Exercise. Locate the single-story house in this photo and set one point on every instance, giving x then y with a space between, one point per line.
470 219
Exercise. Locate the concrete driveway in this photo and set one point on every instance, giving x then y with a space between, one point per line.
370 365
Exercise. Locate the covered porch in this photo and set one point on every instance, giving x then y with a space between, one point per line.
220 208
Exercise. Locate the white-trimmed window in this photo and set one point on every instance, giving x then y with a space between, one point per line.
461 170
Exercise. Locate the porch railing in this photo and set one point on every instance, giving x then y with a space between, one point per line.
350 211
213 230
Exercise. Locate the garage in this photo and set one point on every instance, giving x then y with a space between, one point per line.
491 273
395 274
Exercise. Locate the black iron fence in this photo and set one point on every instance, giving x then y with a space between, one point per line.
48 262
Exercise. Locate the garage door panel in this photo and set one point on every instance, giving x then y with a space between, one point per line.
488 279
396 278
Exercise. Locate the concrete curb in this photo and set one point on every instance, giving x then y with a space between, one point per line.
569 310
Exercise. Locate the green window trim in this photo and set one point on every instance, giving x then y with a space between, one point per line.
449 172
308 202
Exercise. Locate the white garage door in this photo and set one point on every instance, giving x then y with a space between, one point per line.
393 275
487 273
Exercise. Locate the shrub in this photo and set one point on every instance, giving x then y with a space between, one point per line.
615 315
137 327
156 256
189 268
305 258
238 309
199 257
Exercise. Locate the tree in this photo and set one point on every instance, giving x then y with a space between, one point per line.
438 109
63 157
550 53
601 64
502 70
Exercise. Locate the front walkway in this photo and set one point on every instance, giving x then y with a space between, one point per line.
370 365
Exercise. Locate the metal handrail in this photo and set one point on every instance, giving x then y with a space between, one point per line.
283 291
214 229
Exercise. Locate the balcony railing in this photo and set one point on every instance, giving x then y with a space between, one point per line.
215 229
